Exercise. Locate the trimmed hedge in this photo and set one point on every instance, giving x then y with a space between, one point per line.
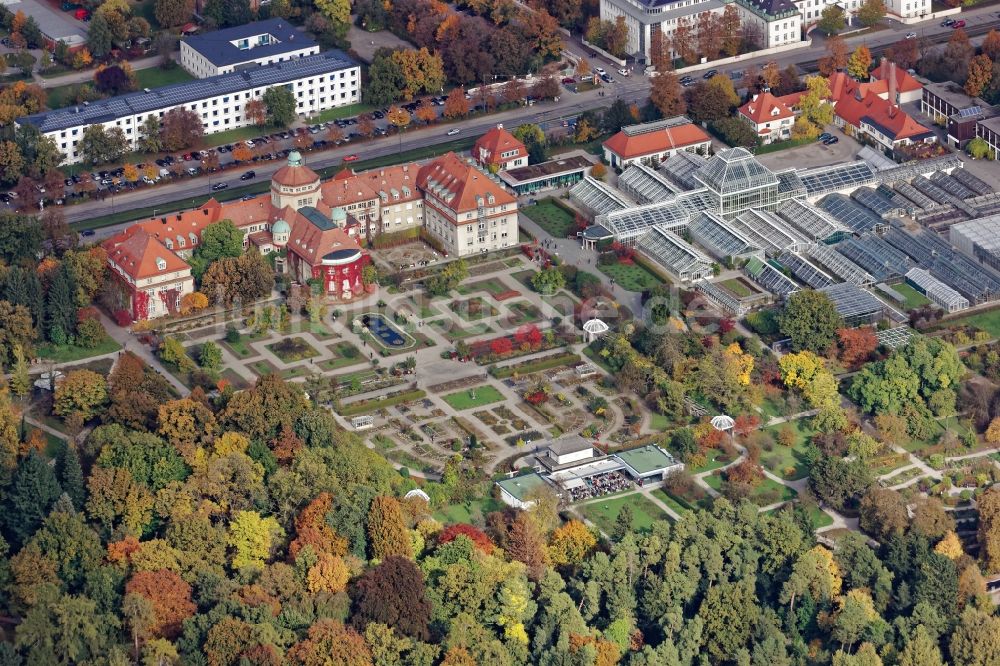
372 404
535 366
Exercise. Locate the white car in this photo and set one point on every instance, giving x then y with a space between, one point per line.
453 132
911 35
599 70
623 72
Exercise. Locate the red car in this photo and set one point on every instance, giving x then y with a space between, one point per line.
351 158
569 80
957 24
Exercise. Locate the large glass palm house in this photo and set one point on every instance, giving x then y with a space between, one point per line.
738 182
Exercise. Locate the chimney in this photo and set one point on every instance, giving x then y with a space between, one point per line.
892 89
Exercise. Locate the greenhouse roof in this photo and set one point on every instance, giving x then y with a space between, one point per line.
735 170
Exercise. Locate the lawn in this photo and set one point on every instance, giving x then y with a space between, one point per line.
737 287
550 216
156 77
789 462
475 397
713 460
523 312
658 422
604 513
492 287
67 353
819 518
783 492
471 513
988 321
232 136
454 332
348 111
630 277
239 349
914 299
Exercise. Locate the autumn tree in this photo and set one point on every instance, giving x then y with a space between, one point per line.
81 392
836 56
871 12
387 533
980 75
253 539
991 45
311 529
856 345
667 95
989 529
455 105
883 513
860 63
181 128
393 594
172 13
570 543
330 642
905 53
170 597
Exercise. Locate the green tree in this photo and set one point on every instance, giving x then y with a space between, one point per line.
71 476
387 533
20 380
385 79
172 13
218 240
815 103
978 148
729 612
280 103
100 146
832 20
16 332
548 280
871 12
447 278
921 650
976 639
82 392
338 11
228 13
624 523
29 497
100 37
810 320
210 356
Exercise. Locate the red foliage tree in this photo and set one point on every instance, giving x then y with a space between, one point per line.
856 345
330 642
746 472
170 596
285 444
711 439
536 397
475 535
528 334
744 424
726 325
501 346
311 529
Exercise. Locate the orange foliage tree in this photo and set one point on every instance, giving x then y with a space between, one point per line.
170 596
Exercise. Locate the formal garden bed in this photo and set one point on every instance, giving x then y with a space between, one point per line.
523 312
290 350
473 309
492 286
263 367
536 365
374 404
454 333
345 354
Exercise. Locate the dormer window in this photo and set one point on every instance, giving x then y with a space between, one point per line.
161 264
169 243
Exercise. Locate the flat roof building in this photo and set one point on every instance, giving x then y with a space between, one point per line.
564 172
516 491
239 47
649 463
566 451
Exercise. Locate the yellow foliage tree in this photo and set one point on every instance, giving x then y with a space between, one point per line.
743 362
950 546
329 574
193 302
252 539
231 442
993 431
571 543
130 173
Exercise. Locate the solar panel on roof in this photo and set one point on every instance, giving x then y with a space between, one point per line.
970 111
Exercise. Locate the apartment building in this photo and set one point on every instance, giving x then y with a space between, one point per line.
250 45
318 82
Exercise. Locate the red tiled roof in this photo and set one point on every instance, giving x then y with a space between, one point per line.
136 252
904 82
764 108
894 122
496 141
295 176
464 184
313 242
658 141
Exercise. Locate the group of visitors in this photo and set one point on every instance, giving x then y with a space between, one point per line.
600 484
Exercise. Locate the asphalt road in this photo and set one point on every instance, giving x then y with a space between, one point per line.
549 115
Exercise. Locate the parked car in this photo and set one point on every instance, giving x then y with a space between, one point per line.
219 186
87 233
351 158
911 35
958 24
81 15
832 140
569 80
824 136
600 70
710 73
947 23
623 71
453 132
248 175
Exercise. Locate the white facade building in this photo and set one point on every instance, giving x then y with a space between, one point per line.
261 43
777 22
318 82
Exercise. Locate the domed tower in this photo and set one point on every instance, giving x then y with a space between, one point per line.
280 232
294 184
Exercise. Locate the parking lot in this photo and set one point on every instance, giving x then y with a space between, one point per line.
812 154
